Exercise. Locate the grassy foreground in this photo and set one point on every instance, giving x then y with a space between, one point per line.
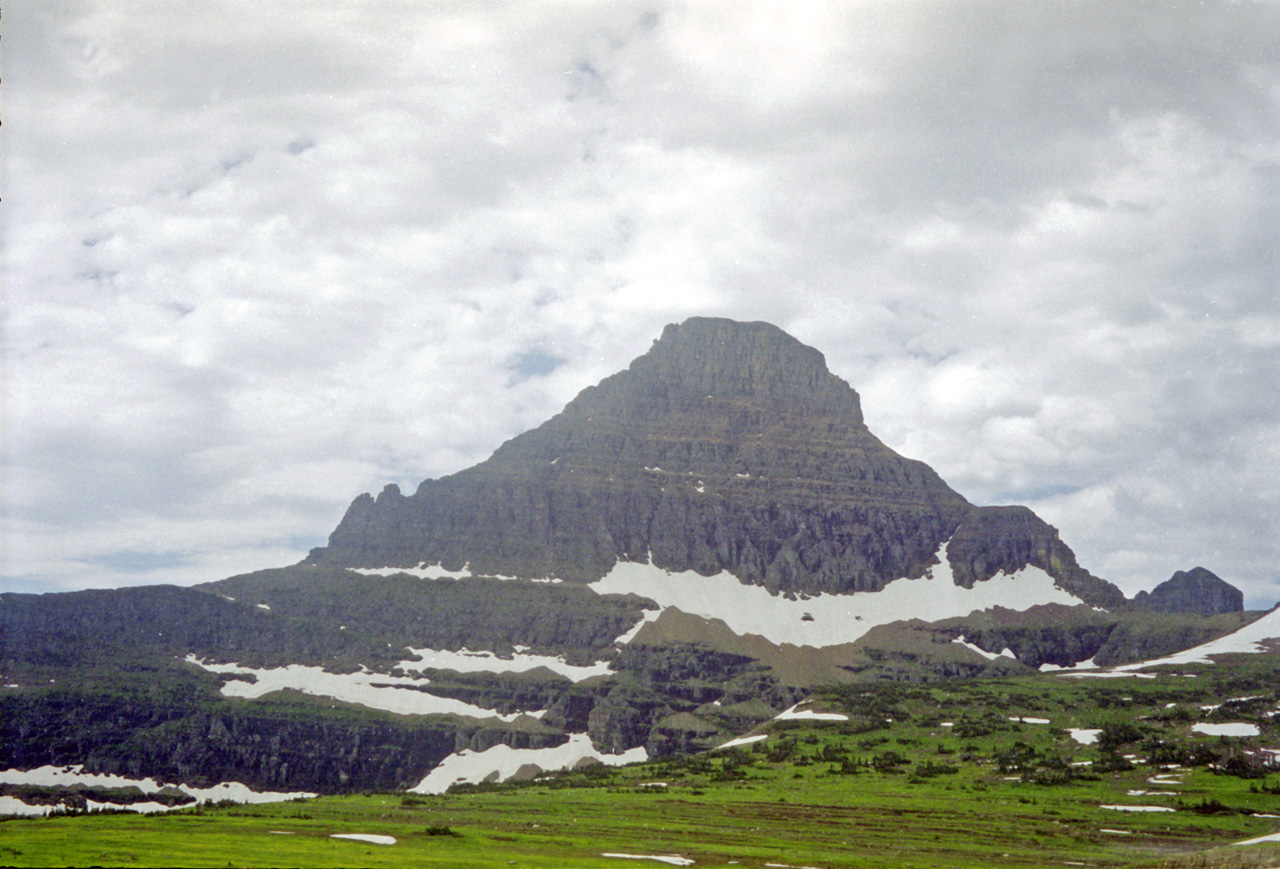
958 775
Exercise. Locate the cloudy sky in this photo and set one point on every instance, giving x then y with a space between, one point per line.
262 257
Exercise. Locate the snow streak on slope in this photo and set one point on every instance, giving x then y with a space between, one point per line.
487 662
990 656
1248 640
829 619
376 690
505 761
435 571
63 776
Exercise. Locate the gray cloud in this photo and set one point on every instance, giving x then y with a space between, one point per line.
259 263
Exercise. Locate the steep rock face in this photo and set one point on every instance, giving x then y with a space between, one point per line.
728 446
1192 591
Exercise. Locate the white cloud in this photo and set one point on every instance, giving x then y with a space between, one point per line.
257 263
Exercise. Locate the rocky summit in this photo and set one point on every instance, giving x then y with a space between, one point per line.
727 447
1198 591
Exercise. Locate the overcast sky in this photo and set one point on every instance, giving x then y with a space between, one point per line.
262 257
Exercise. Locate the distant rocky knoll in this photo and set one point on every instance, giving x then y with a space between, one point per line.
728 446
1192 591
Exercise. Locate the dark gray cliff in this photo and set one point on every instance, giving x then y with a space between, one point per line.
728 446
1192 591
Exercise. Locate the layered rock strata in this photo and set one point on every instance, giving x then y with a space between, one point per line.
727 447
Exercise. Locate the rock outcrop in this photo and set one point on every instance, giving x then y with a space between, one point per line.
728 446
1197 591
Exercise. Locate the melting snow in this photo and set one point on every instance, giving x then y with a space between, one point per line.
1138 808
1271 837
1078 665
743 740
391 693
1085 736
435 571
674 861
53 776
371 838
990 656
476 766
1029 720
464 661
1247 640
1105 674
836 618
796 714
649 616
1230 729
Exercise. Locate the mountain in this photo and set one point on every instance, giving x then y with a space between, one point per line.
689 548
727 447
1192 591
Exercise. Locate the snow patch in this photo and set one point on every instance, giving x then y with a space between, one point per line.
1246 641
835 618
463 661
364 688
1030 720
54 776
742 740
435 571
1228 729
1270 837
673 861
1105 674
371 838
990 656
1078 665
1137 808
1085 735
475 766
649 616
795 713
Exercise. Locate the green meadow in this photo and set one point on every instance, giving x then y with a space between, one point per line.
963 774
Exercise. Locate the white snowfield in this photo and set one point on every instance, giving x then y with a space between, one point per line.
52 776
475 766
795 713
669 860
371 838
990 656
1248 641
1232 728
435 571
359 688
742 740
464 661
1137 808
829 619
1079 665
1085 735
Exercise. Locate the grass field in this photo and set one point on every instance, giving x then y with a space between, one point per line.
966 774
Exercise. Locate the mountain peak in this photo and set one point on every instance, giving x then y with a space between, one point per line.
726 447
1198 590
713 356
